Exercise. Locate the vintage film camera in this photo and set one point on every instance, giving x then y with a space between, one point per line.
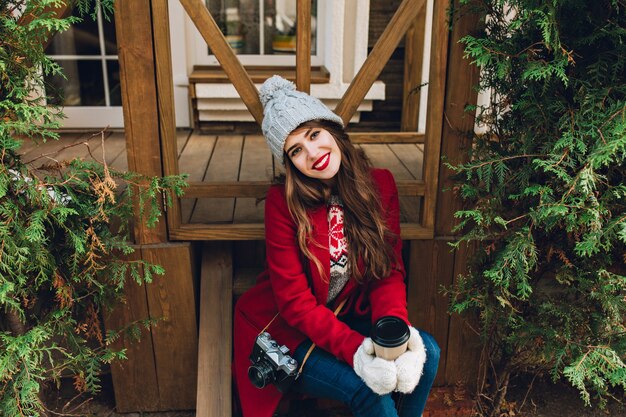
271 364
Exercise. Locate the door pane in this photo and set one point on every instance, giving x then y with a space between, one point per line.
280 35
239 22
84 85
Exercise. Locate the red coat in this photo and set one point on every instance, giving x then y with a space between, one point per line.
284 287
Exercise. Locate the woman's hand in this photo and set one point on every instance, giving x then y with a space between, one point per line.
410 364
377 373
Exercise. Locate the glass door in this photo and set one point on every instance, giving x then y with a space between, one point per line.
90 93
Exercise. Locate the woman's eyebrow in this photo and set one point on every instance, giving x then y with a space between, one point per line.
290 148
306 135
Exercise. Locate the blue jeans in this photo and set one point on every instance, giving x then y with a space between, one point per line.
325 376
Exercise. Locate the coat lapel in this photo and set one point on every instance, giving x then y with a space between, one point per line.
319 249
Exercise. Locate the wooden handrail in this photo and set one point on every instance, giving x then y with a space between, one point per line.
214 37
386 137
256 231
258 189
303 46
377 59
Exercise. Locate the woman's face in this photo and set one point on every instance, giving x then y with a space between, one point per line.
314 152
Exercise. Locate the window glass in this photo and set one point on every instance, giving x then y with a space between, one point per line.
113 78
80 39
240 20
108 32
84 85
87 53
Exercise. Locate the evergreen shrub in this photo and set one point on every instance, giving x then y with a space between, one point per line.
545 195
61 259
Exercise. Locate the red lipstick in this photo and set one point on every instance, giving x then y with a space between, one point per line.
322 163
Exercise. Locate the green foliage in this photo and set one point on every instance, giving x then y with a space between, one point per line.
64 228
546 194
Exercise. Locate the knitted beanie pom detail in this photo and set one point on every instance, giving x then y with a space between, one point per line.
274 87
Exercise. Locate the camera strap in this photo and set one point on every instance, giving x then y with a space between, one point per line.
308 352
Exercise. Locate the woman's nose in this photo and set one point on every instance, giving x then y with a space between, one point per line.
311 149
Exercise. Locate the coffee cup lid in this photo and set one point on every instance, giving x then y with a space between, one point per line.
390 331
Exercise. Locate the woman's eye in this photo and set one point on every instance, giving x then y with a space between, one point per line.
314 134
295 152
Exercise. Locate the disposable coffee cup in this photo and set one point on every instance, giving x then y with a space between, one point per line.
390 336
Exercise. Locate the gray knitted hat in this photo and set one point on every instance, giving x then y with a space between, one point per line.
285 108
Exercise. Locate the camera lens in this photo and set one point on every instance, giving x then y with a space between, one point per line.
260 374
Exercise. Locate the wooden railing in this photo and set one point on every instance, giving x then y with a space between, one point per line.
409 13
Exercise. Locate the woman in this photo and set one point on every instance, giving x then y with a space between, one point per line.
332 239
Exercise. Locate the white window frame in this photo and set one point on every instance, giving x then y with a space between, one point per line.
93 116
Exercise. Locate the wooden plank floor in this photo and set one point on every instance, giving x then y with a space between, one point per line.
222 158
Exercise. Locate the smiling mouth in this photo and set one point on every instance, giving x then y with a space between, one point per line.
322 163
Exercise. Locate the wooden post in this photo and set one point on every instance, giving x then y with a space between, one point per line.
166 358
165 99
133 25
434 263
413 59
303 46
463 349
434 118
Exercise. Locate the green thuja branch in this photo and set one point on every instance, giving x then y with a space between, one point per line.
546 195
64 228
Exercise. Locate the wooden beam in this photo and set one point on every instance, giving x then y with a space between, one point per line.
242 189
303 46
434 118
258 74
165 100
139 99
430 267
175 335
256 231
258 189
386 137
138 370
413 60
378 58
463 358
219 232
204 22
458 129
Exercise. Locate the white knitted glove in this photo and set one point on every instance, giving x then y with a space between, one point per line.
377 373
411 363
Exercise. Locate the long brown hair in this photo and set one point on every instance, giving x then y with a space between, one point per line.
368 237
